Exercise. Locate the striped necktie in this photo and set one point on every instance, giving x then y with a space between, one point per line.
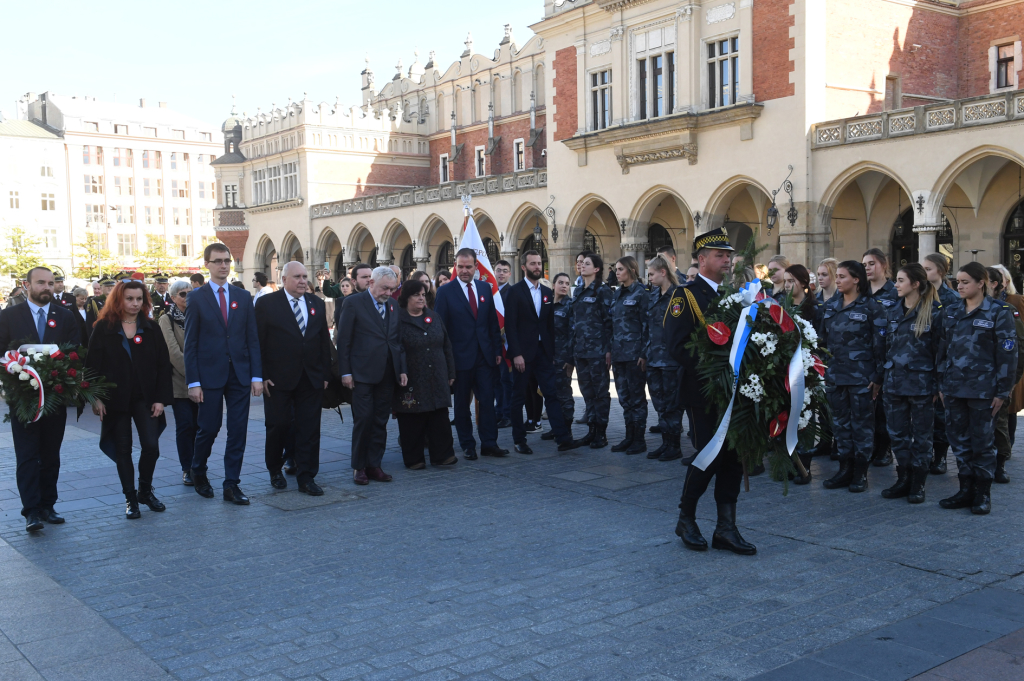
298 316
381 307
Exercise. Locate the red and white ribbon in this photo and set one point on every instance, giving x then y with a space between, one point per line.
16 363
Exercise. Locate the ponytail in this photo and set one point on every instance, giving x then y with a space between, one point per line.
929 296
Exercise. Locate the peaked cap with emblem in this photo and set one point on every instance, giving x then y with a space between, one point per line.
161 279
107 280
716 238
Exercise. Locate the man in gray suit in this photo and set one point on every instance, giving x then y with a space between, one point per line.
369 323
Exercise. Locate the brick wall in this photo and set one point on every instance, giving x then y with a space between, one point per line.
235 241
383 173
231 218
977 31
500 162
565 95
771 46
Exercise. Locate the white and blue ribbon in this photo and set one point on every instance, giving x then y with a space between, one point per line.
744 327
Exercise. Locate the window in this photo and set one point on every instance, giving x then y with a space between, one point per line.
48 202
159 216
123 186
151 159
291 180
49 238
723 72
120 129
145 186
93 213
207 137
205 217
124 217
443 166
174 161
1004 66
149 214
259 186
92 127
179 189
46 171
125 244
15 200
178 134
670 88
183 245
159 187
123 158
481 162
149 132
519 151
601 99
93 184
230 195
176 216
642 91
188 217
92 155
202 190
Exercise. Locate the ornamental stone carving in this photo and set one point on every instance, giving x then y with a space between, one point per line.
720 13
980 112
635 247
600 47
687 151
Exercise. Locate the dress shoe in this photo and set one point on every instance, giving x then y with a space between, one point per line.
568 445
549 435
202 485
311 488
523 448
727 537
278 481
50 516
417 466
235 496
655 429
450 461
147 497
687 529
131 506
32 522
186 478
359 477
470 454
581 421
505 423
377 475
289 467
493 451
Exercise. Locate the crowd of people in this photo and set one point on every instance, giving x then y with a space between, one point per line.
916 369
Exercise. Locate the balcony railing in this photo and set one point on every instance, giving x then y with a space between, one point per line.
952 115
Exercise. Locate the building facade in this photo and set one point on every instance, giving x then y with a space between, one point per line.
817 127
131 176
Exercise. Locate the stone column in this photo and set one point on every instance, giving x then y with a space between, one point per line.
926 239
421 262
562 259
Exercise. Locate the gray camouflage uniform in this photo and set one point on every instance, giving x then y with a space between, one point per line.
948 297
629 328
564 340
977 363
911 384
662 370
855 335
592 325
887 297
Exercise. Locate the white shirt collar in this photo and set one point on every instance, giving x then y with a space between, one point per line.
712 284
34 309
301 299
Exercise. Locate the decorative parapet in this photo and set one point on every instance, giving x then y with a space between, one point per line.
451 191
952 115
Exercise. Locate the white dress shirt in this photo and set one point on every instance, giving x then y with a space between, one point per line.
465 291
535 293
712 284
302 307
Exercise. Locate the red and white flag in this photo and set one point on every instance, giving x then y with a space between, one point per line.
471 239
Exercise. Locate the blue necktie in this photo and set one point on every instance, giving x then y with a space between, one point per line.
298 316
40 323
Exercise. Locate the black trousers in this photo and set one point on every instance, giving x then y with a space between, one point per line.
120 427
726 466
37 451
542 370
371 408
294 416
430 426
534 401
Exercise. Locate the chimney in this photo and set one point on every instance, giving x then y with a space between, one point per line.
142 104
163 105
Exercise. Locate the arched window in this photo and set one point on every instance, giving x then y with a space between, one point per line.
657 236
516 92
905 241
496 95
533 243
739 234
493 253
590 243
440 112
1013 245
372 260
408 264
538 79
446 256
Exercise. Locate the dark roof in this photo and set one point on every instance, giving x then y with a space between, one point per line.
229 158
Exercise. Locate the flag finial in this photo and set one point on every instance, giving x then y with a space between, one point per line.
465 203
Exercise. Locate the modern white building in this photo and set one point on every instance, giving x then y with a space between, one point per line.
129 174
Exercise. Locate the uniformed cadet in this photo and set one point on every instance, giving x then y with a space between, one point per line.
62 297
937 267
562 309
629 328
876 265
592 347
998 289
913 338
977 365
662 368
712 251
854 332
826 291
95 303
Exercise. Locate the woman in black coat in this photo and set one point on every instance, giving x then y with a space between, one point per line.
422 405
129 350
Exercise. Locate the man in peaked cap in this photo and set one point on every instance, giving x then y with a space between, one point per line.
161 298
95 303
685 313
60 296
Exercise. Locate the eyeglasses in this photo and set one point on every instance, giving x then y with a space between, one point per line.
219 262
183 294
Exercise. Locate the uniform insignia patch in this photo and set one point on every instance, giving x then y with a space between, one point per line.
677 310
629 302
1008 344
858 316
590 299
983 324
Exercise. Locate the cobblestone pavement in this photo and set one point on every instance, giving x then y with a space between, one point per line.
545 567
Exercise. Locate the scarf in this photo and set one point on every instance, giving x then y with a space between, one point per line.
177 315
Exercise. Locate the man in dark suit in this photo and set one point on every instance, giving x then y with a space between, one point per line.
360 276
296 352
685 313
371 361
95 303
62 297
160 297
530 332
222 364
37 445
467 310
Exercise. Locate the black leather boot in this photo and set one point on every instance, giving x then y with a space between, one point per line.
654 454
687 528
982 504
962 499
147 497
902 486
131 508
672 451
600 440
639 445
630 434
589 437
918 476
842 478
859 483
938 466
727 536
1001 477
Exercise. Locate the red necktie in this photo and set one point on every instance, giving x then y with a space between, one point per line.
223 306
472 299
